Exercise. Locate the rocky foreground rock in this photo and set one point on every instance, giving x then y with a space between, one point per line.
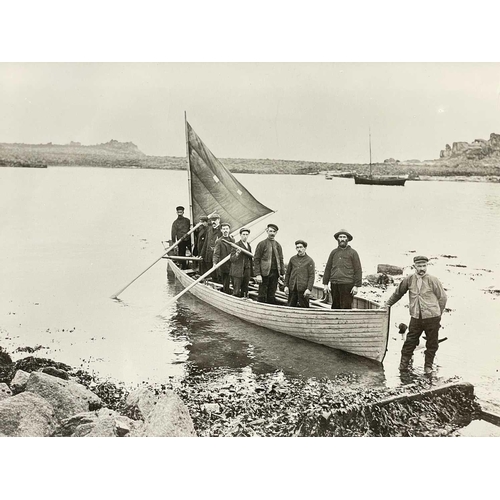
51 402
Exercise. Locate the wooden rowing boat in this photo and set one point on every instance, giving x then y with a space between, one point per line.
363 330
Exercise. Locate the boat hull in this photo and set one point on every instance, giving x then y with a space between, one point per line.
379 181
363 331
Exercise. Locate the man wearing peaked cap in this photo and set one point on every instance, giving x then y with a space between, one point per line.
268 265
299 277
199 238
427 304
241 265
180 227
223 249
343 272
207 252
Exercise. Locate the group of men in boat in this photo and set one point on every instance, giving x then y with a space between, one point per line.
342 276
213 244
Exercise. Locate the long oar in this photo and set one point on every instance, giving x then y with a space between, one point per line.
169 249
203 276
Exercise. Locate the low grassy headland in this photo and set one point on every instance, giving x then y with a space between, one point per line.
40 397
479 159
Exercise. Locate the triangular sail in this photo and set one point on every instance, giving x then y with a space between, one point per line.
214 188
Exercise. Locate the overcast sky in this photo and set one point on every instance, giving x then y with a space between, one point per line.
295 111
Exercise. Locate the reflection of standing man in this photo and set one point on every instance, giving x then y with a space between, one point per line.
343 272
299 278
268 265
241 265
180 227
427 303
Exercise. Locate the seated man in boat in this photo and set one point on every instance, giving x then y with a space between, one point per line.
241 265
222 250
299 277
213 233
427 303
180 227
268 265
343 272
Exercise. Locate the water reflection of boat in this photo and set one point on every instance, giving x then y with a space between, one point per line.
362 330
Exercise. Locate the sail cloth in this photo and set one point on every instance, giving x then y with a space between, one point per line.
214 188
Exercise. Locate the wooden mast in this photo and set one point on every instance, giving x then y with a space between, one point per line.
191 214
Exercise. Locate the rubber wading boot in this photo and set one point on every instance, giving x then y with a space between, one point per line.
429 359
404 365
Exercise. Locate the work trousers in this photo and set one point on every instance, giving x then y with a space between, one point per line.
267 289
431 328
241 284
183 246
225 279
298 297
341 296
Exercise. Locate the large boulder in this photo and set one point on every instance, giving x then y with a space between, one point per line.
5 391
140 403
18 383
66 396
102 423
28 415
169 418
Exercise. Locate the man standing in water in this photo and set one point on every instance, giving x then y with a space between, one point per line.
343 272
268 265
180 227
299 277
427 303
221 251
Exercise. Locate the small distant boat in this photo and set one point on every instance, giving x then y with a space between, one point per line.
378 180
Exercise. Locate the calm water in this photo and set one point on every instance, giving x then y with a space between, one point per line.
71 237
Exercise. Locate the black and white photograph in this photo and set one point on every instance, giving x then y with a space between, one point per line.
245 249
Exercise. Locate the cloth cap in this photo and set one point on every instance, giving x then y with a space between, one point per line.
180 208
301 242
204 218
420 258
273 226
226 224
214 216
243 229
343 231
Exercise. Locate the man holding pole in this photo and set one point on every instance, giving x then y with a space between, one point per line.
213 233
180 227
223 249
241 265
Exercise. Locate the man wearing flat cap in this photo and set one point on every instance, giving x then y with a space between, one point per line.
213 234
343 272
241 265
200 235
427 303
299 277
180 227
221 251
268 265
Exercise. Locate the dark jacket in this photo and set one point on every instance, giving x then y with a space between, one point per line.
241 262
222 250
212 235
180 227
300 273
262 258
199 239
343 267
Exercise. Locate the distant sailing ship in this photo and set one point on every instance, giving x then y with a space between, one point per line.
378 180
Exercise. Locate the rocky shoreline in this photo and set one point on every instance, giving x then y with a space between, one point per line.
44 398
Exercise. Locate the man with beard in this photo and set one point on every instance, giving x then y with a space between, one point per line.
299 277
427 303
180 227
241 265
213 233
268 265
343 272
221 251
